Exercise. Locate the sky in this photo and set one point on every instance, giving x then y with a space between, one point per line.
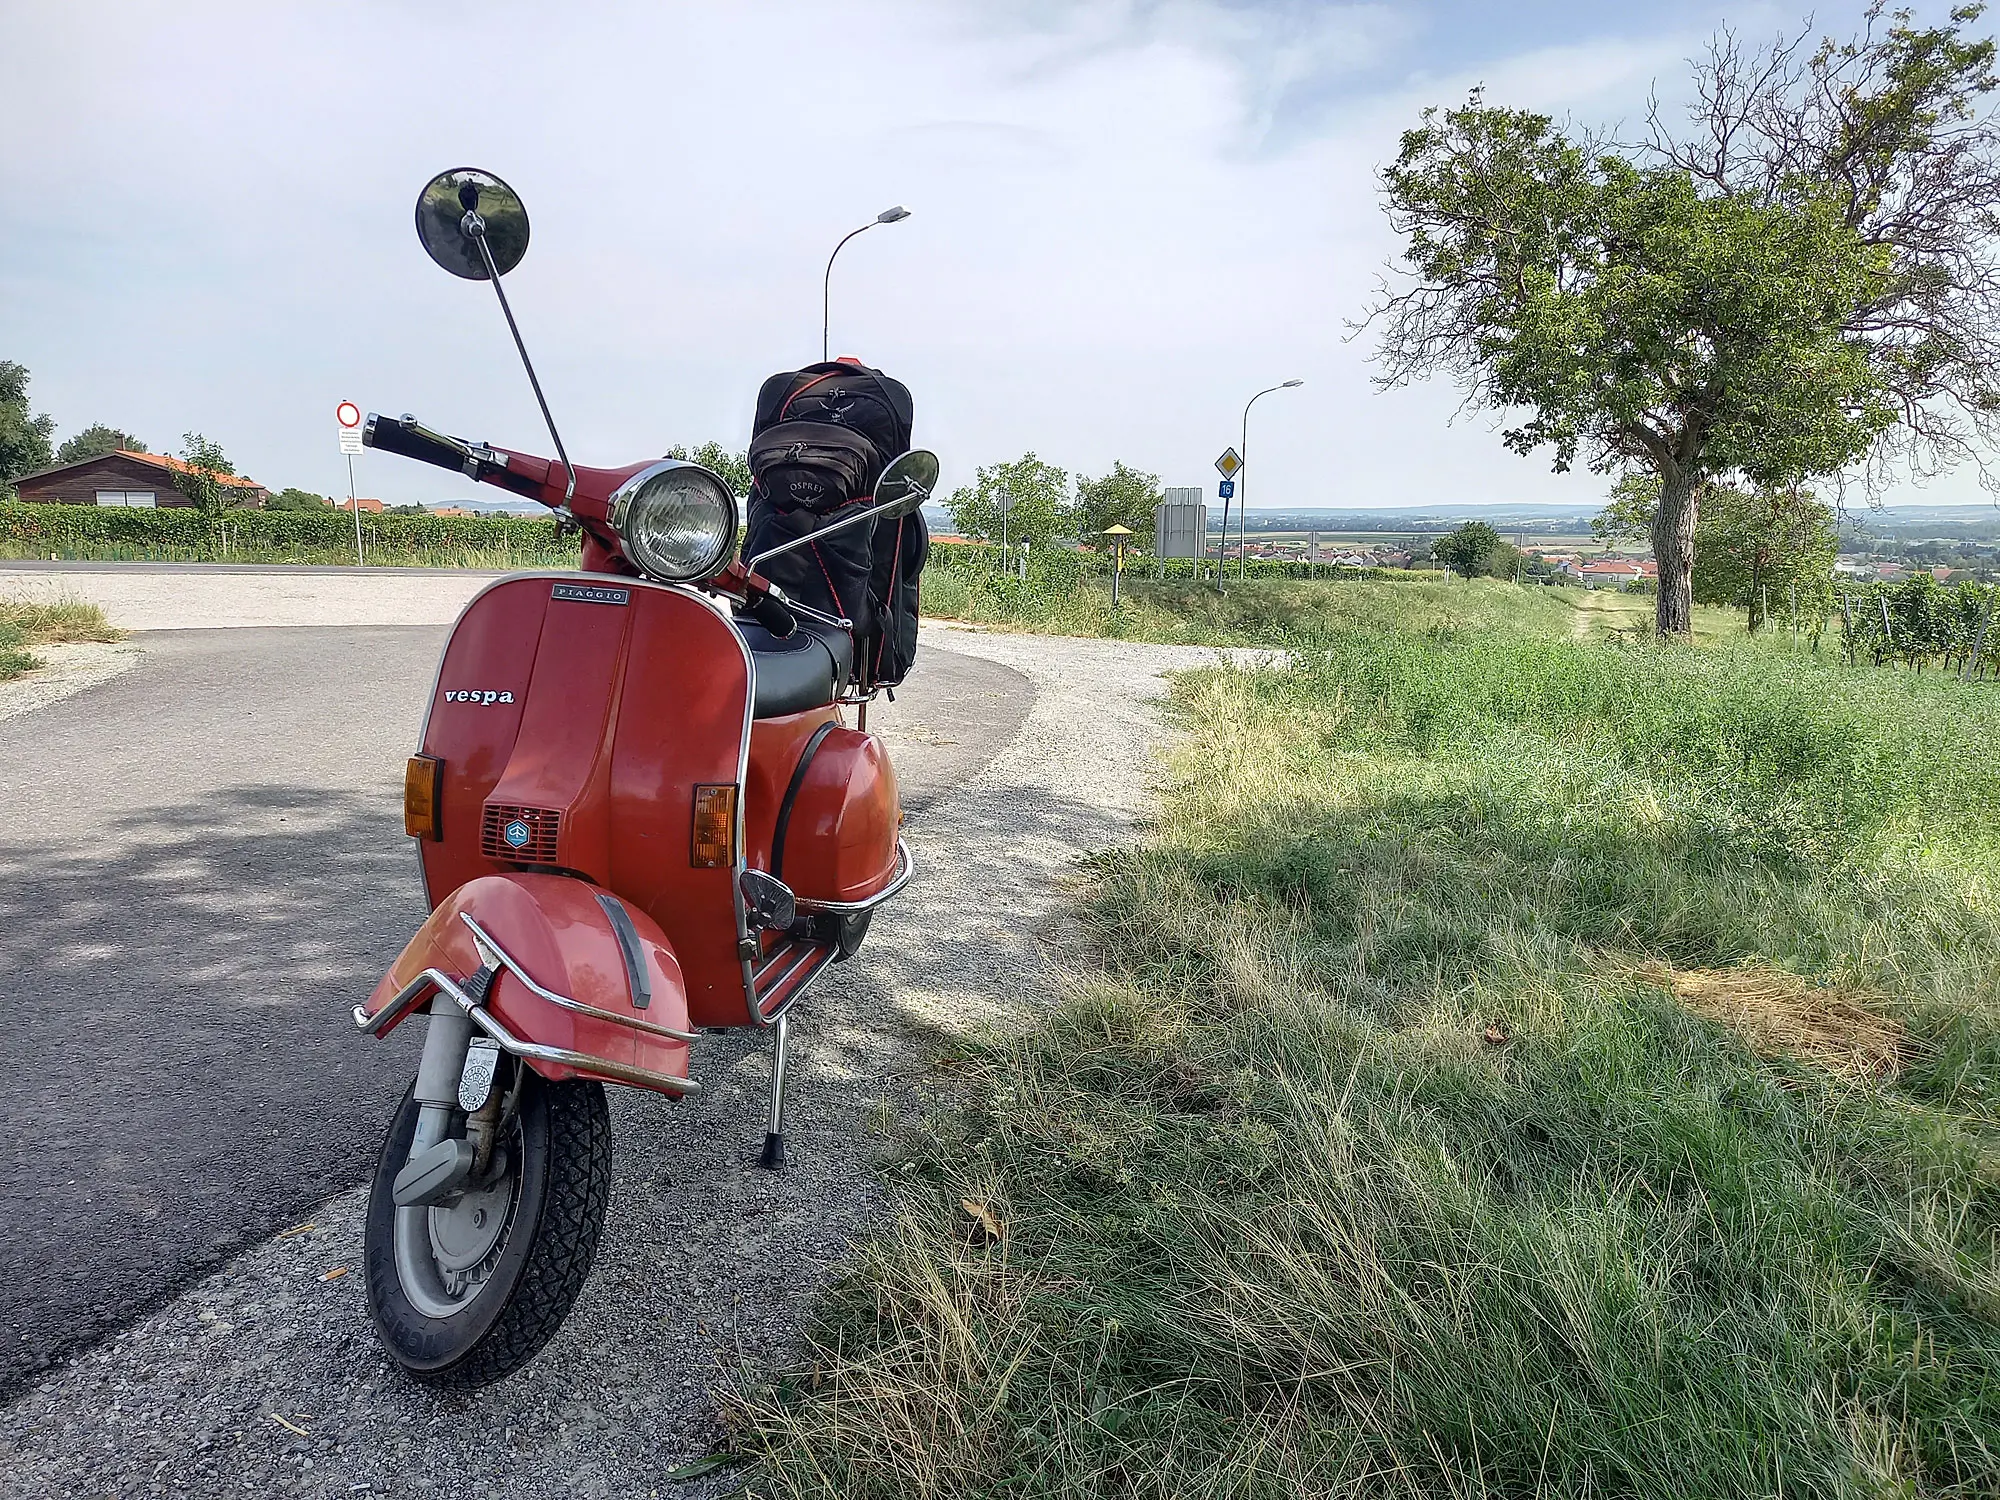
1126 217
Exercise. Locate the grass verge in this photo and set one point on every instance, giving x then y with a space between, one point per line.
1518 1065
25 623
1283 612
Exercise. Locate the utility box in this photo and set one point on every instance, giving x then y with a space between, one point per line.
1180 524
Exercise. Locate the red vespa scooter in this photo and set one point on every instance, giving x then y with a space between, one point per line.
637 817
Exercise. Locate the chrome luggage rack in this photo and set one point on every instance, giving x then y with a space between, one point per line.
470 996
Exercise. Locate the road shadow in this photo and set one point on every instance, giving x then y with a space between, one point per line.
708 1268
184 1078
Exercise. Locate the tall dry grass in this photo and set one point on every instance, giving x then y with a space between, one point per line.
1464 1104
25 623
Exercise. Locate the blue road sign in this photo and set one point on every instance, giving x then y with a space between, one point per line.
1226 489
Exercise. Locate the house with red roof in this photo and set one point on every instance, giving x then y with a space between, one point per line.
141 480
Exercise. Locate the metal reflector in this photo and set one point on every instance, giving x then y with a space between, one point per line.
421 781
714 827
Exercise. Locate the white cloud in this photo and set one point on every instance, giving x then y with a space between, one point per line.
1127 217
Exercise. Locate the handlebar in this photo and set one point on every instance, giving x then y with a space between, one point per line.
773 613
409 438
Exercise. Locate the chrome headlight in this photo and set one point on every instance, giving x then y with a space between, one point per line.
677 521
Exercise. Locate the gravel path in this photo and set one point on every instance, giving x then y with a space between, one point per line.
138 597
265 1378
66 668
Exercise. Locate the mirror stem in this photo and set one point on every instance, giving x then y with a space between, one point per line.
819 536
493 275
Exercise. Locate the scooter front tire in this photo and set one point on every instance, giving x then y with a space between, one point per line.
560 1171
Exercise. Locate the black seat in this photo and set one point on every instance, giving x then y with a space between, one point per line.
802 671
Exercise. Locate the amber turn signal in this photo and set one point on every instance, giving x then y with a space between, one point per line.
423 780
714 827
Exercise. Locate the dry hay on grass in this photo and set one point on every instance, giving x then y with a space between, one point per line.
44 622
1780 1014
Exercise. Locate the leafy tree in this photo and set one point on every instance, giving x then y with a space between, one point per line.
1040 509
1470 551
1803 277
202 481
1635 500
95 441
1124 497
291 499
733 469
1759 548
1752 547
24 437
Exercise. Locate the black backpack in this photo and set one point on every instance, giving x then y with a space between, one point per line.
820 440
822 435
830 575
901 549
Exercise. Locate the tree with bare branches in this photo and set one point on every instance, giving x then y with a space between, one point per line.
1803 277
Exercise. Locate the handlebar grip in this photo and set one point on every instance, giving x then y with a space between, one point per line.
773 613
389 435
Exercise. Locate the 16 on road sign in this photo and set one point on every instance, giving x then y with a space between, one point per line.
1226 489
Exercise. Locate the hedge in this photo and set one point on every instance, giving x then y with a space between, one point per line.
190 534
1059 566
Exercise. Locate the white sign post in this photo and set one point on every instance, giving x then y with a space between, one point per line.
348 415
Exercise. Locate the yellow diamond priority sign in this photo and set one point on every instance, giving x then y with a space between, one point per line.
1228 464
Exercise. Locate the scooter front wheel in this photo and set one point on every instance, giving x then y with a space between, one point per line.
469 1290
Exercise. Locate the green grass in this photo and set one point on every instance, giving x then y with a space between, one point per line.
25 623
1283 612
1368 1157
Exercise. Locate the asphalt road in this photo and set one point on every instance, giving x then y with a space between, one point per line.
202 868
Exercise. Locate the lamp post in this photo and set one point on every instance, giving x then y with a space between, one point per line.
1243 499
887 216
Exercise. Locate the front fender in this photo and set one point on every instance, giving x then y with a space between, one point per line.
562 943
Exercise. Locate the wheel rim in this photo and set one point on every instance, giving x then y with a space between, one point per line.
446 1253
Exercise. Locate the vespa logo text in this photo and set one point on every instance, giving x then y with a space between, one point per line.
476 695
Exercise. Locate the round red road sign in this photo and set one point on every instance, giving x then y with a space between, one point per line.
348 414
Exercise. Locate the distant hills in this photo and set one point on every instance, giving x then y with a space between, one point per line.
1950 522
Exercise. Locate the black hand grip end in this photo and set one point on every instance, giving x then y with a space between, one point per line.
390 435
773 614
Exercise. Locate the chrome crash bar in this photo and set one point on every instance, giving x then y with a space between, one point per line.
906 866
800 965
436 979
496 954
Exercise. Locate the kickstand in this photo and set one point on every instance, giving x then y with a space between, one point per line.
774 1137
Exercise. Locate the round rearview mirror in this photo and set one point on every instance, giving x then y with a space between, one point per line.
457 208
907 483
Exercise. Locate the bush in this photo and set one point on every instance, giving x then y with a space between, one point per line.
185 534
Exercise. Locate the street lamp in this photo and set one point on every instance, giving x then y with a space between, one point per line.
887 216
1243 499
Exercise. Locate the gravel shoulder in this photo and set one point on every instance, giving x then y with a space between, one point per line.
264 1378
67 668
201 597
